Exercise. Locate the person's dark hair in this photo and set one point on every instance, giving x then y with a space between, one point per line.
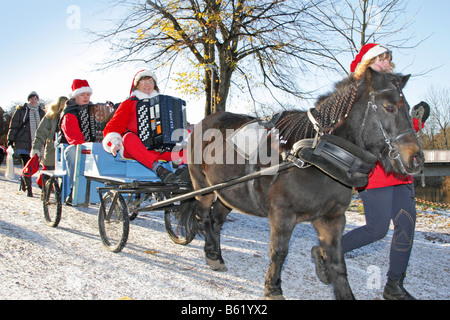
146 78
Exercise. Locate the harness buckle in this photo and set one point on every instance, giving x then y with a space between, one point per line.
299 163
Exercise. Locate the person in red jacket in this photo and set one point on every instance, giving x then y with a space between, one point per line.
121 132
75 125
387 196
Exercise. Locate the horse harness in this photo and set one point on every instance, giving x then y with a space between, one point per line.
339 158
393 152
335 156
340 151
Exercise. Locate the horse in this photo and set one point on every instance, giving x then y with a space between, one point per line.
371 113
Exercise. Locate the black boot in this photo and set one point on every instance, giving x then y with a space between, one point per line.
321 268
164 174
68 200
22 186
182 174
29 188
394 290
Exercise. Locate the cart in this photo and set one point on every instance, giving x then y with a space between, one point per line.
120 187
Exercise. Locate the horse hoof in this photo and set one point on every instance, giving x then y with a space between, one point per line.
216 265
318 254
276 297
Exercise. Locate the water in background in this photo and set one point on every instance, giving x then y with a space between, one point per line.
437 189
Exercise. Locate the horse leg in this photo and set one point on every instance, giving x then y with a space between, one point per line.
217 218
280 234
211 222
330 231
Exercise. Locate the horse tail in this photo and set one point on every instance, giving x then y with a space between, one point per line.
187 217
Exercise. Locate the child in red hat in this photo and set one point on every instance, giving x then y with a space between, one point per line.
75 125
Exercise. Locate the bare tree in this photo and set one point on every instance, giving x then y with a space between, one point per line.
220 43
211 46
347 25
438 125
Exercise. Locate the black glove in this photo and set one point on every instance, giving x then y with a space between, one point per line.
10 143
421 111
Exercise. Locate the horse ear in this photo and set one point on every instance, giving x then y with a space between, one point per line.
404 80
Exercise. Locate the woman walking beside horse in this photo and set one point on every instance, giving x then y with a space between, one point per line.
387 196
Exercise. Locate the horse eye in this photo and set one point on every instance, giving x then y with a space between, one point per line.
389 108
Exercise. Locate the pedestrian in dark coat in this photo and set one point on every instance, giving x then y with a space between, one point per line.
22 129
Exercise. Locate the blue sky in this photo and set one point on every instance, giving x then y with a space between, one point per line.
43 49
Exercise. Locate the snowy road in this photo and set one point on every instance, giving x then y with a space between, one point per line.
68 262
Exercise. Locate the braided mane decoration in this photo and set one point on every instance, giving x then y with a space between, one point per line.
329 112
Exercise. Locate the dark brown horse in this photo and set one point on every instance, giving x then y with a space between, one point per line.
371 113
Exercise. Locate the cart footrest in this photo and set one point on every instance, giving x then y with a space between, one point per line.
54 173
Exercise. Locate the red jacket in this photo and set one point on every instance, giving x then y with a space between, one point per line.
71 129
123 122
379 178
124 119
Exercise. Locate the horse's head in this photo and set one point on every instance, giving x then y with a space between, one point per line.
385 125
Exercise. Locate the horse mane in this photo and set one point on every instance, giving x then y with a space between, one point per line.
330 110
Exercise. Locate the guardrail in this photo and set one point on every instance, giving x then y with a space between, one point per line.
437 155
437 163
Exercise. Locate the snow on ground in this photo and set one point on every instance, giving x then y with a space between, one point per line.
69 262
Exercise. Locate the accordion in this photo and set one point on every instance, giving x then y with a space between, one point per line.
93 119
158 119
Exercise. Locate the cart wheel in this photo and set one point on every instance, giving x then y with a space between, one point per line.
180 222
113 222
52 202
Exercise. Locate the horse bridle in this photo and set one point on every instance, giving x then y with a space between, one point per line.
393 153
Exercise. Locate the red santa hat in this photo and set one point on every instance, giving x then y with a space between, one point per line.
79 87
367 52
141 74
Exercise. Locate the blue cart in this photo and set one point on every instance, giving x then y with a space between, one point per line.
120 186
